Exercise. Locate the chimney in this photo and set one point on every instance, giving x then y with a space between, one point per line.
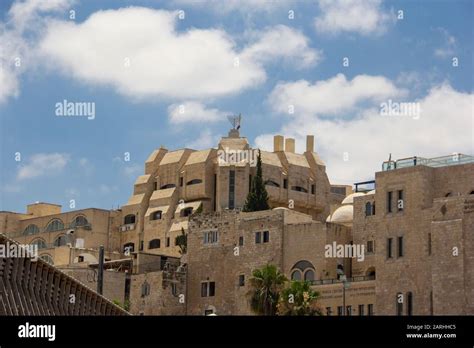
290 145
310 143
278 143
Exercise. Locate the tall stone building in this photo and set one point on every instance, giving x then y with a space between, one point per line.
405 246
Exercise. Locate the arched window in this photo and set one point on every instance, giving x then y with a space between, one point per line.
40 243
167 186
47 258
299 189
60 241
368 209
194 182
79 221
31 229
272 183
55 225
129 219
309 275
371 272
186 212
296 275
154 244
156 215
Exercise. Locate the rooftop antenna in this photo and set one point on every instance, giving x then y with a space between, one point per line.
235 121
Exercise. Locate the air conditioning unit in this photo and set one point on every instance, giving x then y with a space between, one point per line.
123 228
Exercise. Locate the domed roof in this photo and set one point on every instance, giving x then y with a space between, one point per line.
350 198
371 192
343 214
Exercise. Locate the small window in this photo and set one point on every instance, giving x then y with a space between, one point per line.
258 237
313 189
129 219
299 189
31 229
80 258
368 209
208 289
373 208
167 242
449 194
241 241
181 181
309 275
211 237
145 289
389 247
370 246
429 243
154 244
340 310
400 246
472 192
241 280
296 275
285 183
400 202
141 245
409 303
156 215
361 309
186 212
55 225
370 309
389 201
328 311
167 186
271 183
128 248
194 182
266 236
349 310
155 186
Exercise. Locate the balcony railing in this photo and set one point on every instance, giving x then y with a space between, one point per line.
436 162
336 281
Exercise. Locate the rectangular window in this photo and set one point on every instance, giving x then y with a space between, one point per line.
141 245
208 289
429 243
231 189
241 241
361 309
370 309
400 246
80 259
389 248
340 310
400 202
167 241
313 189
348 311
258 237
409 303
328 311
389 201
241 280
285 183
211 237
155 186
181 181
266 236
370 246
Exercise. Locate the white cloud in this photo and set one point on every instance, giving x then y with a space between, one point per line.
205 140
361 16
445 126
448 46
195 63
332 96
226 6
15 51
132 170
190 112
43 164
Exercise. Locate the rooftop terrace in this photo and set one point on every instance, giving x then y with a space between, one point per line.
435 162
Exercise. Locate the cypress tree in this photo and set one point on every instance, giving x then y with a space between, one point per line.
257 198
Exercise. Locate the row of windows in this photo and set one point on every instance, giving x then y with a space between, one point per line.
56 225
390 245
181 183
350 311
59 241
294 188
156 215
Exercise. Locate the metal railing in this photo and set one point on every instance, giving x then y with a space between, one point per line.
338 281
435 162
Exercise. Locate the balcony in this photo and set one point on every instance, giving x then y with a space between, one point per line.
434 162
336 281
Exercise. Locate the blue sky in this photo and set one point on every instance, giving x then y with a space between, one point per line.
191 62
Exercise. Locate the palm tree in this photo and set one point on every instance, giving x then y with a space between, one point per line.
298 299
266 286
